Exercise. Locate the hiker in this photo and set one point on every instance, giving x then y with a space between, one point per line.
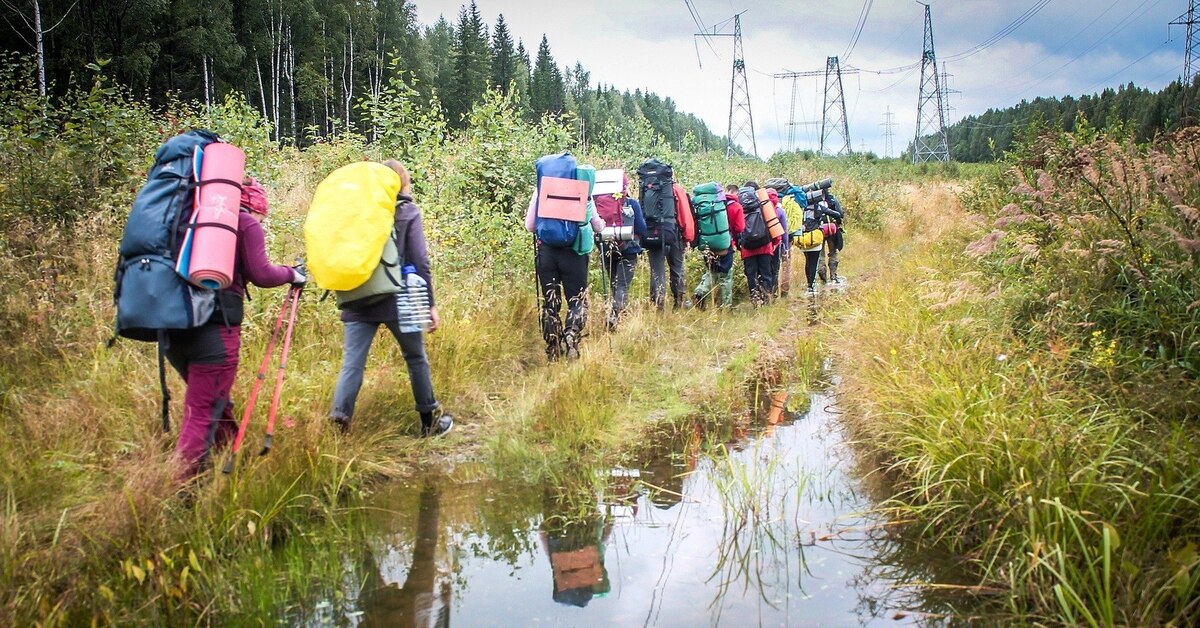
619 255
781 282
791 216
669 229
562 264
206 357
718 264
834 242
574 541
758 256
361 320
810 238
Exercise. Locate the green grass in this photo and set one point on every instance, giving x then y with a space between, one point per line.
1083 511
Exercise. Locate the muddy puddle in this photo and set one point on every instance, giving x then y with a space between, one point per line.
767 527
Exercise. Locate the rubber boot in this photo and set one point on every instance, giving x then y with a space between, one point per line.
725 281
703 290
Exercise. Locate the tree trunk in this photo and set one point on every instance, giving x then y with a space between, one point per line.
41 52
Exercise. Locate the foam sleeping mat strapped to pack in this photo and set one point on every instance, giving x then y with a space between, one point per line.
214 232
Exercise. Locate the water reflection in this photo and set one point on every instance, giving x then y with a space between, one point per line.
770 529
574 543
422 598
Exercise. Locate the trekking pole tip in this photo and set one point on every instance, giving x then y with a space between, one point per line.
266 445
228 465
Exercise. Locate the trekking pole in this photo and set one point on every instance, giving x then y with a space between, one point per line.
294 293
258 380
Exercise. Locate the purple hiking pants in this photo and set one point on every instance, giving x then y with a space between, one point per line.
207 360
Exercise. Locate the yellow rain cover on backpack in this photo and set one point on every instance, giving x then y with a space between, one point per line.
349 220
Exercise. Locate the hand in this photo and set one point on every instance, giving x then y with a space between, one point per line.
299 275
434 320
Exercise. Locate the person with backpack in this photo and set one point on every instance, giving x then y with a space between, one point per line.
718 264
361 321
623 218
833 242
562 243
206 357
669 229
811 239
791 216
757 244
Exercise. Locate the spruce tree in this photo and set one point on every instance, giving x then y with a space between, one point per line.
504 58
471 63
546 90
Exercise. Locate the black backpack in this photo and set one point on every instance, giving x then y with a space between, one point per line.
655 189
756 233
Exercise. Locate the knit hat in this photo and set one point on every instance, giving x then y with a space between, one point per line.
254 197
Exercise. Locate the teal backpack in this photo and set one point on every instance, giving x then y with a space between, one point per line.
586 240
712 219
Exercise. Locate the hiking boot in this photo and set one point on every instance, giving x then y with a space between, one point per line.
700 302
342 423
812 290
441 426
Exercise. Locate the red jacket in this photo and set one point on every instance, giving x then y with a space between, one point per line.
768 248
683 214
737 219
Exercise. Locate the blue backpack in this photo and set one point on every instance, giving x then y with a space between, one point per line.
556 231
150 295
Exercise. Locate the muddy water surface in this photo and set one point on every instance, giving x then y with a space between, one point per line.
771 528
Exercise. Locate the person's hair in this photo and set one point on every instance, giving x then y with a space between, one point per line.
752 184
732 187
396 165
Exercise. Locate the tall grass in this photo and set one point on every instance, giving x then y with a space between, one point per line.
1083 509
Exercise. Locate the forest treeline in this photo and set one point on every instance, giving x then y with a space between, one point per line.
312 67
1143 112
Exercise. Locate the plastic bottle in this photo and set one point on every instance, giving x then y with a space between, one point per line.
413 303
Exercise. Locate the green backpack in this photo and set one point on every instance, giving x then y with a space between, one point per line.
586 240
712 219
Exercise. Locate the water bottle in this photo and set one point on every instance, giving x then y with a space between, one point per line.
413 303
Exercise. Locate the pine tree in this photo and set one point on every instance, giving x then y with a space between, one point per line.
504 58
471 62
546 90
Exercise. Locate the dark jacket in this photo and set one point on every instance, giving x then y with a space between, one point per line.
411 231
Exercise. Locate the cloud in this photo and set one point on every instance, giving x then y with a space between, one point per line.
1069 47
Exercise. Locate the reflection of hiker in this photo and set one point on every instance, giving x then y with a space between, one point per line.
620 256
834 242
361 322
417 602
718 265
206 357
576 551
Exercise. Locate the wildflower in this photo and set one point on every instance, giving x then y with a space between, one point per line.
1002 357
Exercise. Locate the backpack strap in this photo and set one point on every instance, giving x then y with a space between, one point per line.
162 381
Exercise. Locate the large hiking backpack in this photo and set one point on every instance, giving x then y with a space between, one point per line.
585 240
349 221
712 219
756 233
562 200
774 227
609 196
655 190
150 295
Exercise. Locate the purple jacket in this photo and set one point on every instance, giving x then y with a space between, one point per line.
250 262
416 252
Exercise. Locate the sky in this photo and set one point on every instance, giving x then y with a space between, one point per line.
1060 47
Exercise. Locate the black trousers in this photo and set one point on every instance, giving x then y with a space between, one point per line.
562 274
760 276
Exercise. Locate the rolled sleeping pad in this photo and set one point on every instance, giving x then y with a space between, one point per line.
823 184
616 233
815 195
214 237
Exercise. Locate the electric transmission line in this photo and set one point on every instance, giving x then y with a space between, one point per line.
930 143
741 120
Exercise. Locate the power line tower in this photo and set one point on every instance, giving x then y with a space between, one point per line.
1191 64
844 129
930 144
945 77
741 121
889 121
835 103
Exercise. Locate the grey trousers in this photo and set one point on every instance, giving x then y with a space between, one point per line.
356 344
669 257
